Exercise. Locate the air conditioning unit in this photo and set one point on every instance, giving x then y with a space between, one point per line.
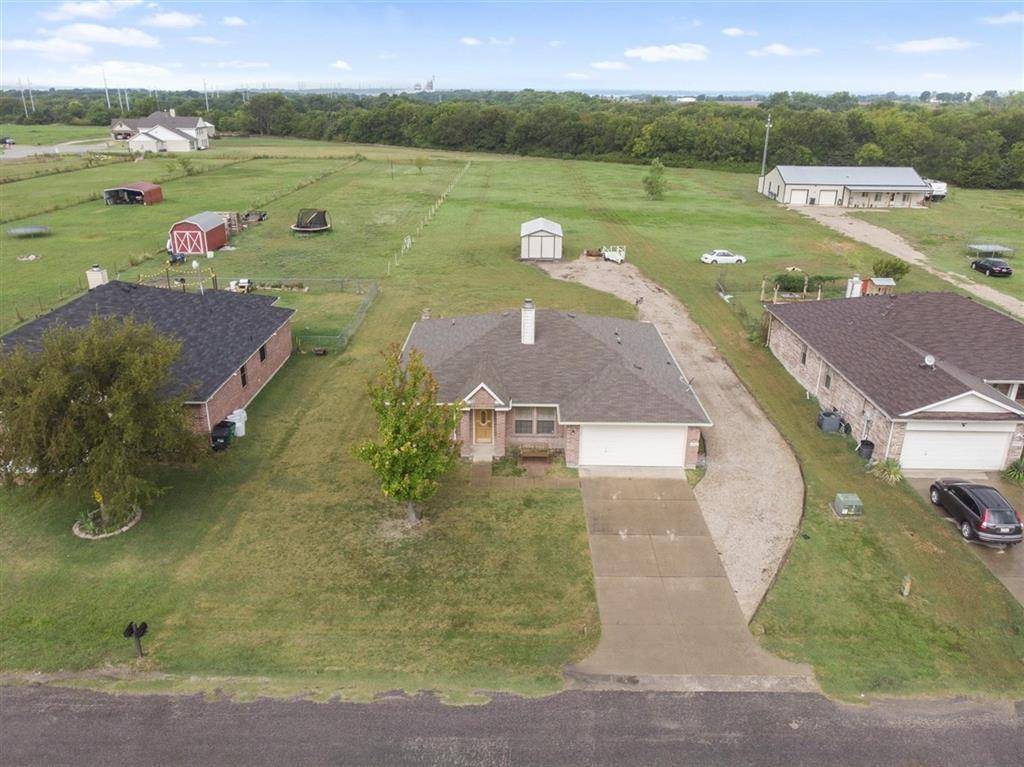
847 505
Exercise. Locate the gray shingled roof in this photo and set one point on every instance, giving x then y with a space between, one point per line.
540 225
218 331
878 343
855 177
157 118
577 362
206 220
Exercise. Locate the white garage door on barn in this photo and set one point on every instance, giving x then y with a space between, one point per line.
632 445
827 197
979 447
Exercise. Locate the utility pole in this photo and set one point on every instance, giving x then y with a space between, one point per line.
120 102
764 154
105 89
127 100
31 101
206 96
21 90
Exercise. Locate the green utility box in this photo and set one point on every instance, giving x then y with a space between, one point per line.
847 505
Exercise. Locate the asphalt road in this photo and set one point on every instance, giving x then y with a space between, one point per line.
52 726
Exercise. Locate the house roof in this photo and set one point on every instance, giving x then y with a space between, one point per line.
878 343
206 220
854 177
596 369
157 118
218 330
540 225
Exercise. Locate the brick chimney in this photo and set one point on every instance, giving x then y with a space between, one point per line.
96 276
529 322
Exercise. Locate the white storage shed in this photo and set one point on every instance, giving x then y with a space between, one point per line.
540 240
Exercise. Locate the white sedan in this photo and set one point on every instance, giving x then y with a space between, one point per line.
722 257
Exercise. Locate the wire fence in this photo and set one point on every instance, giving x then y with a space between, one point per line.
369 290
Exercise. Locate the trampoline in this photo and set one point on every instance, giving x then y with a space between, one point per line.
312 220
29 231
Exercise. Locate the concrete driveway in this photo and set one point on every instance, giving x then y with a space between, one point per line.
891 243
669 617
1006 564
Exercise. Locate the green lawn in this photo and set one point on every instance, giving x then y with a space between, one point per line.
277 560
52 134
943 231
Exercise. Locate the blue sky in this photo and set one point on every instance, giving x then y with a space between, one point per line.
725 46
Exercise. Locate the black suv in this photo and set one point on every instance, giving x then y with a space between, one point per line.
992 267
980 510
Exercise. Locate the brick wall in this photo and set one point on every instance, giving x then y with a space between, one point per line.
1016 445
232 395
692 446
466 434
572 446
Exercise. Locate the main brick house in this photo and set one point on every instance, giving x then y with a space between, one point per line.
603 391
934 380
231 344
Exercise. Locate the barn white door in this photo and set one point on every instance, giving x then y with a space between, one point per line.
827 197
798 197
187 242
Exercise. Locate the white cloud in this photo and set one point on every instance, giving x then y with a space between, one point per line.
125 73
610 65
471 41
933 76
95 9
930 45
207 40
236 64
675 52
1011 17
576 76
502 40
555 43
173 20
778 49
54 48
343 65
737 32
233 21
97 33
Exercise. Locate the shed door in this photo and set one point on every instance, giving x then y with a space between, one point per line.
798 197
549 247
187 241
827 197
963 450
632 445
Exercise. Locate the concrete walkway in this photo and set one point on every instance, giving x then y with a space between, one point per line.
669 618
753 493
1005 564
890 242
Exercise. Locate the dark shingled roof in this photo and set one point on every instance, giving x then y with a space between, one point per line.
218 331
878 343
157 118
576 362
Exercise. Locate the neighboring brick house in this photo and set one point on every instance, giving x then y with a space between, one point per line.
232 344
603 391
934 380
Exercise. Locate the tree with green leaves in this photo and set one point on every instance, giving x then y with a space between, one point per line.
420 162
890 266
415 446
90 412
654 182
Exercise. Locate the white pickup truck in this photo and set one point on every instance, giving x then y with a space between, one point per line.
938 189
614 253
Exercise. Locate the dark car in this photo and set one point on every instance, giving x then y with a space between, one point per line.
980 510
992 267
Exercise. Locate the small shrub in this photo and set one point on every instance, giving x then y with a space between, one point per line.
506 466
889 471
891 266
1015 472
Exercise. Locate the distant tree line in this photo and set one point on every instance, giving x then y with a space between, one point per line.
976 143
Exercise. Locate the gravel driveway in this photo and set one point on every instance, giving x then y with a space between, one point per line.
752 494
890 242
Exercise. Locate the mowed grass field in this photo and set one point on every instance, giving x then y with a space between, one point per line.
943 231
277 560
39 135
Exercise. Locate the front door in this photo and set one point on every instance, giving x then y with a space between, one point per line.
483 425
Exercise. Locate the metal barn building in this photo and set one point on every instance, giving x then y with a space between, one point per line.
198 234
845 186
540 240
135 193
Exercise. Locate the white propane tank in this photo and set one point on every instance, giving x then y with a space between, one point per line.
238 418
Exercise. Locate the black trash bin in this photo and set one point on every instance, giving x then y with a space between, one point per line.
222 434
866 449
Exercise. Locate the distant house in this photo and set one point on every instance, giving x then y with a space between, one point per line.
845 186
232 344
604 391
163 132
540 240
934 380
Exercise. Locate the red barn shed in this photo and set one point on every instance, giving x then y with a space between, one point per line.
135 193
198 234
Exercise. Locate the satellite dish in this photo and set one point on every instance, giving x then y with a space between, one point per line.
929 360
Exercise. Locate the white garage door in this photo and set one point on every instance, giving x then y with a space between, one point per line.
798 197
827 197
978 450
632 445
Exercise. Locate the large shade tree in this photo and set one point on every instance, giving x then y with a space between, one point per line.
91 412
415 446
